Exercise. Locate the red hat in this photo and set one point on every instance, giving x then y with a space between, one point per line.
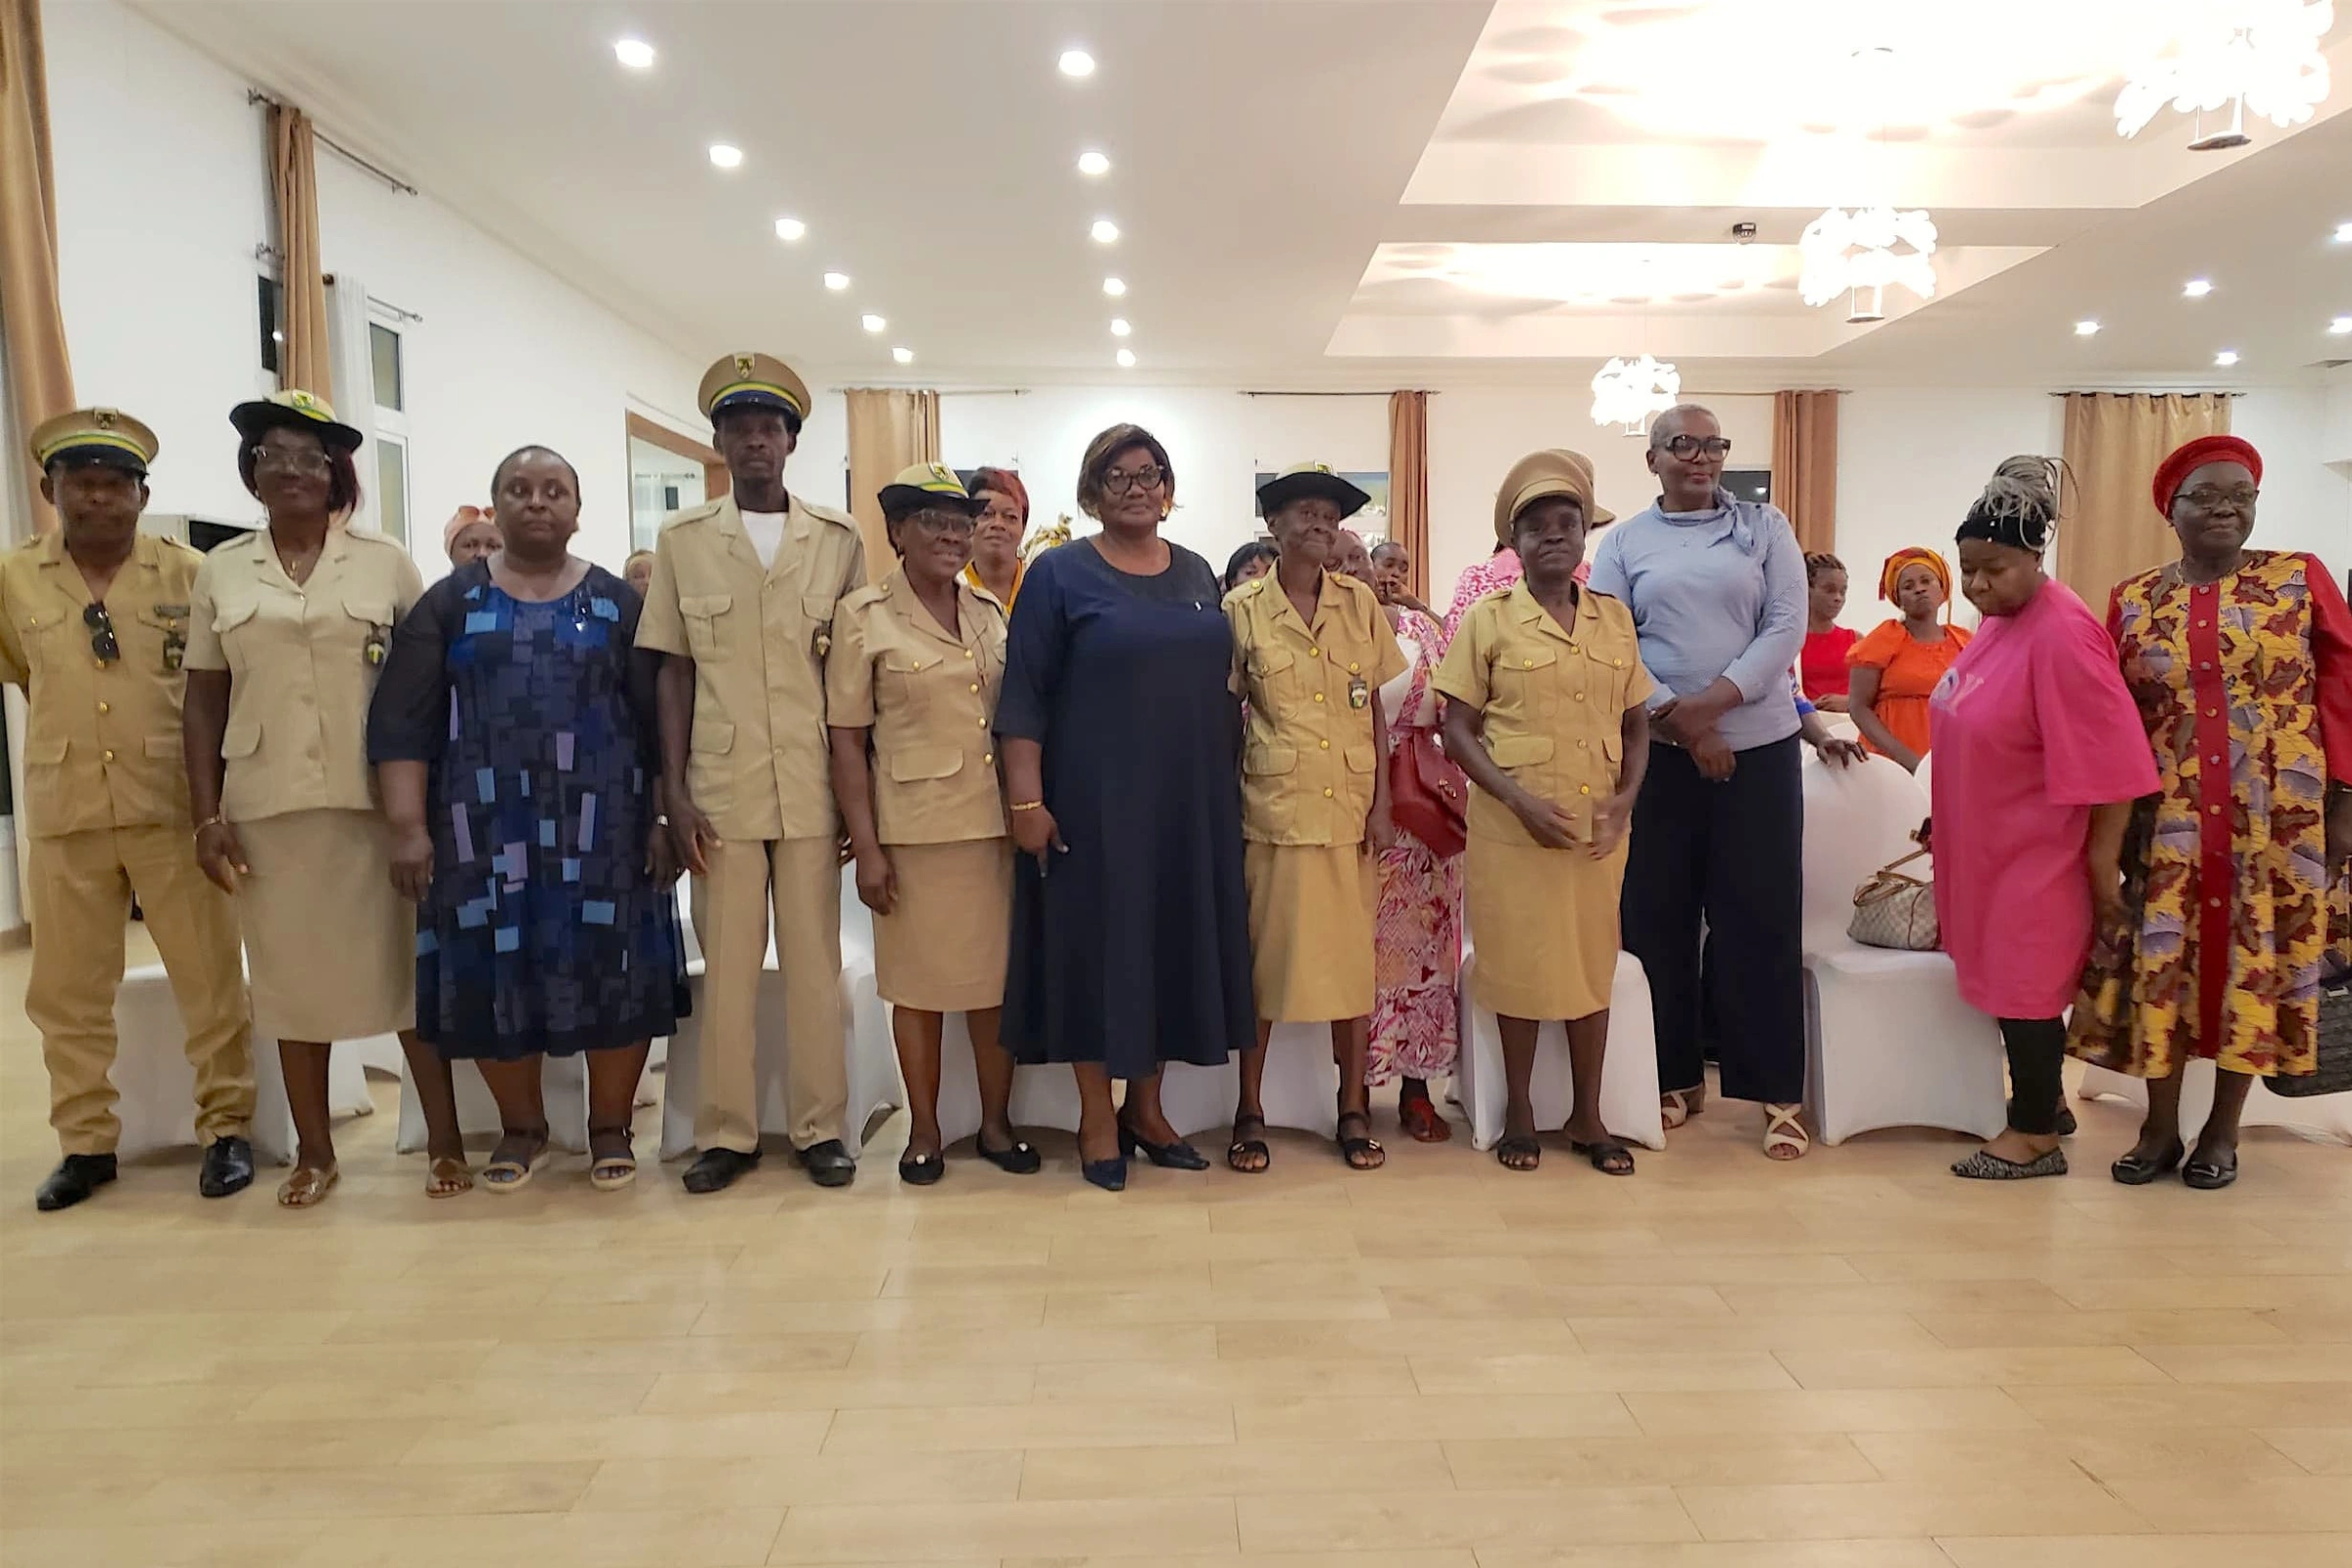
2190 455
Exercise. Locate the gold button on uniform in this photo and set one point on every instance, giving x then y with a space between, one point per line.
1326 793
975 685
1318 697
105 707
106 757
1324 745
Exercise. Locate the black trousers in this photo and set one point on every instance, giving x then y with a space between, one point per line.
2036 1049
1729 857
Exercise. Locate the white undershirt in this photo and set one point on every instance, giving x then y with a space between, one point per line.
766 530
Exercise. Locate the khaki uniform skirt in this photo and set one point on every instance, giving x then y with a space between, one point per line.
944 948
1311 908
331 946
1543 923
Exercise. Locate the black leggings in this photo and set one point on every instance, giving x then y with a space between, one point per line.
2036 1049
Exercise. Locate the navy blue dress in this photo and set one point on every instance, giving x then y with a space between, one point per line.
1133 949
543 932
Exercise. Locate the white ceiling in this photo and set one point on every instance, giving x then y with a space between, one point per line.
1341 192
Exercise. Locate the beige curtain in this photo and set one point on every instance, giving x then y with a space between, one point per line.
40 375
2108 527
1409 482
1804 464
306 360
889 428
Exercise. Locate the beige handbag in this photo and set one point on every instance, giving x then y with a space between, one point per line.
1896 909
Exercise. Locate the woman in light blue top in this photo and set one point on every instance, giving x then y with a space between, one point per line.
1717 588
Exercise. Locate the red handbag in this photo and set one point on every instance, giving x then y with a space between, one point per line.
1427 794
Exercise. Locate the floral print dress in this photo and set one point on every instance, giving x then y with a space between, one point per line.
2245 685
1417 933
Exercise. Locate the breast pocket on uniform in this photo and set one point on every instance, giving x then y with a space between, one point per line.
1523 679
233 624
702 612
167 626
1274 680
1607 676
898 678
371 624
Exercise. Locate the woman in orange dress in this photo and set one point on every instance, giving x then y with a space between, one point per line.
2241 662
1896 666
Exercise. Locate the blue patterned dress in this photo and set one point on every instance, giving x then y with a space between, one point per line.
543 932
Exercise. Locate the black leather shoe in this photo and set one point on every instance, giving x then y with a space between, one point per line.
828 1163
718 1168
227 1167
76 1178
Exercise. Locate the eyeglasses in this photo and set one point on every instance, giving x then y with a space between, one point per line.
940 524
2206 498
1687 446
1119 483
291 462
103 642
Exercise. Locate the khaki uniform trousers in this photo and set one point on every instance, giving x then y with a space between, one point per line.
82 884
731 904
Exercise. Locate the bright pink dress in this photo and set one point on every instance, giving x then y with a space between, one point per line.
2034 727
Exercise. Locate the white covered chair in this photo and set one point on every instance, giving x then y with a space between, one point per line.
156 1087
872 1065
564 1087
2326 1117
1891 1042
1628 1074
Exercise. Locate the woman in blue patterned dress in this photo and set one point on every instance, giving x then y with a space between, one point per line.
514 738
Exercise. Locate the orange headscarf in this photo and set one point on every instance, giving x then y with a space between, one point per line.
461 519
1914 555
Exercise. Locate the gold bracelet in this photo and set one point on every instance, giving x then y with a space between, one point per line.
1028 805
215 820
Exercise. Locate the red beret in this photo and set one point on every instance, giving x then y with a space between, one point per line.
2190 455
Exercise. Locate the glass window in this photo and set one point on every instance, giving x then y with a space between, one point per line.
383 354
392 486
273 325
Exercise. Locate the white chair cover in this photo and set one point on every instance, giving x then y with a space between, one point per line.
2327 1116
1891 1042
564 1089
1628 1073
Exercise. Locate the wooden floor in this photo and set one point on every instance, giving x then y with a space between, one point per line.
1720 1363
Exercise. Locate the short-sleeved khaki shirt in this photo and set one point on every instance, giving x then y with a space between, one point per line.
929 699
302 661
1554 701
756 762
1308 759
102 741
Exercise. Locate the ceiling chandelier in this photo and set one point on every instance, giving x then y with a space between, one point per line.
2262 55
1627 392
1854 253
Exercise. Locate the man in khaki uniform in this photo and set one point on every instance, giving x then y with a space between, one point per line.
742 603
94 625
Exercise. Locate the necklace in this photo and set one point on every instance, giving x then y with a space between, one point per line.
286 563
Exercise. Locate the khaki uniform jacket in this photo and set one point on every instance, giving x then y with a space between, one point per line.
756 759
1308 757
102 746
302 662
929 699
1553 700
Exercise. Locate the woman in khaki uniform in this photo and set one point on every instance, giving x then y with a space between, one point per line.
1544 713
1312 648
916 663
287 630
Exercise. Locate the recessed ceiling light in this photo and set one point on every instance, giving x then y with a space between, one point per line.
1126 359
1090 162
634 53
1076 63
837 281
1120 326
903 356
872 323
1115 287
2196 289
791 228
1105 231
2341 326
2085 328
725 156
2343 233
2225 359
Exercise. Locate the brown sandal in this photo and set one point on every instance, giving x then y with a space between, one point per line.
447 1178
308 1185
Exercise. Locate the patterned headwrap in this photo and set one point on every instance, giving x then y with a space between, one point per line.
2190 455
461 519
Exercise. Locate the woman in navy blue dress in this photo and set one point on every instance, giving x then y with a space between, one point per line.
514 738
1121 736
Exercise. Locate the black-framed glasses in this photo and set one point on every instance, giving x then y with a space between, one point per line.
103 641
1116 483
1687 446
2211 498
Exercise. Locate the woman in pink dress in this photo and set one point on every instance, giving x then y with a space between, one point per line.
2039 752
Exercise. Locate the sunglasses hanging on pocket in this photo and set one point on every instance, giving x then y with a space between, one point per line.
103 641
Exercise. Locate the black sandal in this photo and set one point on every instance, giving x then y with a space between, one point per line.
1514 1152
1362 1153
2139 1172
1242 1149
2210 1175
921 1169
1608 1156
1018 1161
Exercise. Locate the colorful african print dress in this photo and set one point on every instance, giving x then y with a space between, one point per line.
1417 933
2246 687
543 931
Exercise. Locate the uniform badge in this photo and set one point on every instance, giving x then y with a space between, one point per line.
1359 695
175 650
822 642
743 364
378 644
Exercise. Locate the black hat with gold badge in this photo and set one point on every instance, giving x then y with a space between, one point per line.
925 485
753 382
104 437
1303 479
295 409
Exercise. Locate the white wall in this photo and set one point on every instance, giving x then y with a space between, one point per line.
2306 500
162 197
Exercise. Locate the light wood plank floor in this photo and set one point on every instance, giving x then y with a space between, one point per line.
1850 1362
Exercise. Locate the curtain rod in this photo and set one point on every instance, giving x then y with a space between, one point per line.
2144 392
1254 392
254 95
